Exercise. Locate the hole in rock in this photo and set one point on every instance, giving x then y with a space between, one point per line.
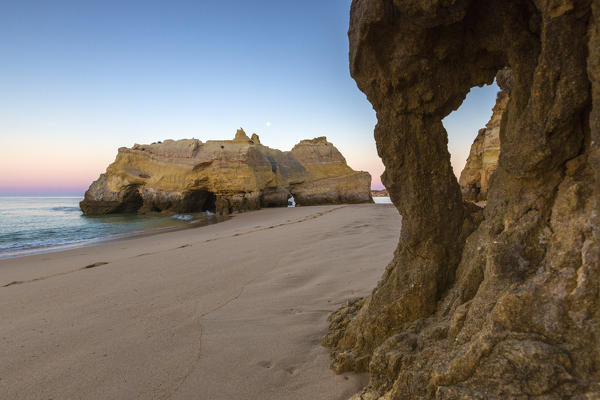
464 124
199 201
291 201
132 200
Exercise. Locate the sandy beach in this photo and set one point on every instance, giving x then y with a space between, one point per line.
229 311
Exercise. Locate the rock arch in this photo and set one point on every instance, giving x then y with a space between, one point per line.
504 304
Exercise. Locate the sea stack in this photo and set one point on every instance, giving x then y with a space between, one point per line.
224 176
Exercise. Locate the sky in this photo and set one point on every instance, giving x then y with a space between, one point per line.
80 79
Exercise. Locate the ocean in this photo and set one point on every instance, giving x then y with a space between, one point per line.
30 225
382 200
39 224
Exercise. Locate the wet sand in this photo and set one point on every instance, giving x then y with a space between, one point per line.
228 311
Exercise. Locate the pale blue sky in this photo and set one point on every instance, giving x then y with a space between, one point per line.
80 79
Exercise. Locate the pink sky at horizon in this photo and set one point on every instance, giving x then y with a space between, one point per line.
47 168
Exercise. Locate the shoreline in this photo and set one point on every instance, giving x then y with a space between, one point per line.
123 236
108 239
237 310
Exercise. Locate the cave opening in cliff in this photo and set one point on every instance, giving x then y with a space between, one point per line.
132 200
291 201
199 201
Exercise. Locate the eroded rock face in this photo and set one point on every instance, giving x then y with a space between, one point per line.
331 179
485 150
224 176
504 304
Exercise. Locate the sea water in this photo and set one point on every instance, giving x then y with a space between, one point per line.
38 224
382 200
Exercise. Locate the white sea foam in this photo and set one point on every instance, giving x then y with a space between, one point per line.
182 217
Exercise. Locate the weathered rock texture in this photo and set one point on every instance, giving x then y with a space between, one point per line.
483 157
224 176
504 307
380 193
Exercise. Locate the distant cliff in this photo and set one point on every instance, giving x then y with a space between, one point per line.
224 176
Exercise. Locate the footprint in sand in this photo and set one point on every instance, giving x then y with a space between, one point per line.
94 265
265 364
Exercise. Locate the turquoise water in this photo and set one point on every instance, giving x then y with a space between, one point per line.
35 224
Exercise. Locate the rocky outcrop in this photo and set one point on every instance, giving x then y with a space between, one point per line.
499 303
380 193
485 150
331 180
224 176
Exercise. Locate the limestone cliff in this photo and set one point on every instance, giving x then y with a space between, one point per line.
332 180
500 303
224 176
483 157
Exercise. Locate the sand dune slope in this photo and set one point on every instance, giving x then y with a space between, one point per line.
230 311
